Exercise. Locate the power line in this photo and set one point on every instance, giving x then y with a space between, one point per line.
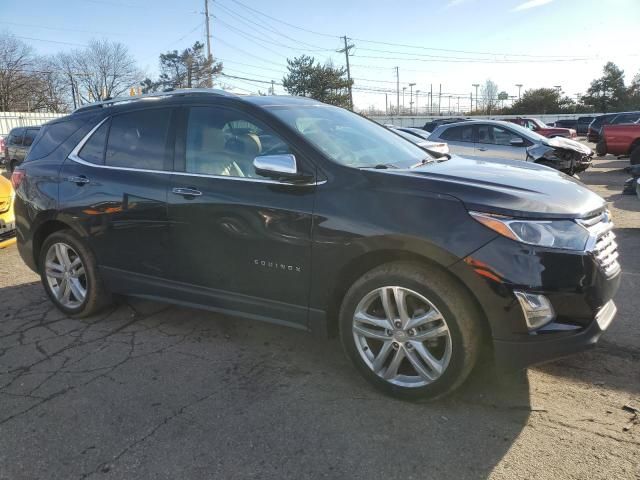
267 27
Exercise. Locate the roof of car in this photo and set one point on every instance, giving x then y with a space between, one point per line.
171 95
477 122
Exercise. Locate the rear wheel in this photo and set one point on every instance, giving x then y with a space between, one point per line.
70 276
601 148
410 331
635 156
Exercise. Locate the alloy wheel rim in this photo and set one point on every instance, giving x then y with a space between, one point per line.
401 336
66 275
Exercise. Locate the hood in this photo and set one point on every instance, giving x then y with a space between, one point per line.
517 189
561 142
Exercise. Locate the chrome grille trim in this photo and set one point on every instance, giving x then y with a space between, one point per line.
602 242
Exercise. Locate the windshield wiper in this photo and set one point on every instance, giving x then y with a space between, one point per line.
381 166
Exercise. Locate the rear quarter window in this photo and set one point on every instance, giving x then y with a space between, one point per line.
52 135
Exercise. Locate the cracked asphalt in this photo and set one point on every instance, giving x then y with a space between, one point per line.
147 390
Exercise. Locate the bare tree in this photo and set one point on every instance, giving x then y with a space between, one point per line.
16 67
489 96
103 70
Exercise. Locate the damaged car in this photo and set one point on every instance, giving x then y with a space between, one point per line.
500 141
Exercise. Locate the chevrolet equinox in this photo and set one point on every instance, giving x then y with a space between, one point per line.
287 210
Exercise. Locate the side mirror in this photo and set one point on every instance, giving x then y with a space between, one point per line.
276 166
517 142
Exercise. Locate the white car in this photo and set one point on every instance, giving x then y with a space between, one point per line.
419 137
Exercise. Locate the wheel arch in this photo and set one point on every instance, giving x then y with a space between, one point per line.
634 144
44 230
373 259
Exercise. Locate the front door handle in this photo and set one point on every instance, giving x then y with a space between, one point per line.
186 192
79 180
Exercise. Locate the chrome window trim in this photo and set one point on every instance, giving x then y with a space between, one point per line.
73 156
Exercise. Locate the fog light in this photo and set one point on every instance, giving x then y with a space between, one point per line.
536 308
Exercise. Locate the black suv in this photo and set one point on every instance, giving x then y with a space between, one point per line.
17 145
291 211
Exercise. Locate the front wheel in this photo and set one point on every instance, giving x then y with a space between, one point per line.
601 148
70 276
411 331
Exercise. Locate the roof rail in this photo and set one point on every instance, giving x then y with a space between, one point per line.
151 96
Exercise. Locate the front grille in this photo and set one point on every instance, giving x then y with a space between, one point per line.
603 245
606 253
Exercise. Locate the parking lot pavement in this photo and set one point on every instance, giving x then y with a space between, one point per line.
154 391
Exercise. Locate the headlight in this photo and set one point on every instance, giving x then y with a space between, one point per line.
565 234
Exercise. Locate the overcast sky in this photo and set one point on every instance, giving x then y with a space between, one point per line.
539 43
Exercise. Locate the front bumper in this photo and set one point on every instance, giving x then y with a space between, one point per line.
578 286
543 347
7 232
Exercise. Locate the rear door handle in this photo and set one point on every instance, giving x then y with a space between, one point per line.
186 192
79 180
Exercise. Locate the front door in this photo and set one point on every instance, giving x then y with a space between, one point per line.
239 241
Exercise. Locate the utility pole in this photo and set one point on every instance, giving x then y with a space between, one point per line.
209 57
411 98
346 55
386 104
439 98
273 88
73 91
458 107
403 89
431 99
449 113
519 85
471 98
398 89
475 85
417 108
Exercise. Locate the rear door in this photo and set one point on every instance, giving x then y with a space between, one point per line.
460 139
499 142
115 184
242 242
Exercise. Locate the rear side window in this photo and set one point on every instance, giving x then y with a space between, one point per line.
139 139
458 134
93 150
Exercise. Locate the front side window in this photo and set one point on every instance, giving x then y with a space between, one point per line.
349 139
225 142
29 136
139 139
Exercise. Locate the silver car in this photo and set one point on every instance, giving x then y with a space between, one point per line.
493 139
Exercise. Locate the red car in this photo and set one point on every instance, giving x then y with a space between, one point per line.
539 127
621 139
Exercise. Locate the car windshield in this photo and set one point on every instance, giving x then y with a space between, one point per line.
525 132
349 139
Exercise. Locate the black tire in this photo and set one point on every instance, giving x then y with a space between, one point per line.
458 309
97 297
12 165
634 159
601 148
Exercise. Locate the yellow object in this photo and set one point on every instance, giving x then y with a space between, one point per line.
7 217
